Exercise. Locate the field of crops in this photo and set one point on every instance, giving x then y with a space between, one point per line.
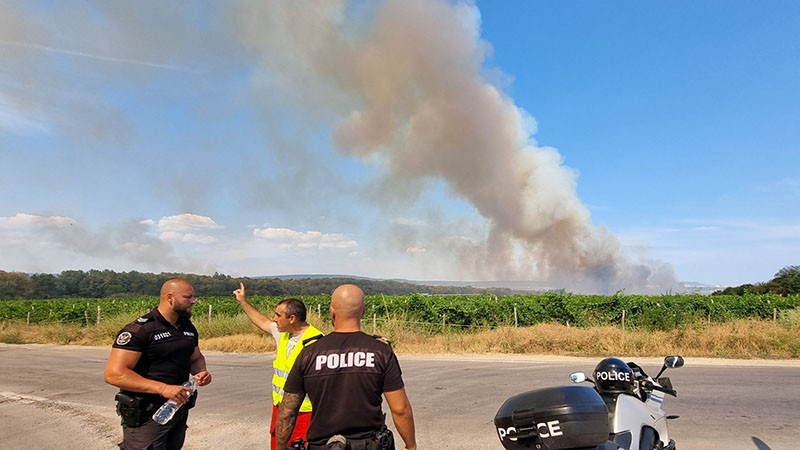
449 312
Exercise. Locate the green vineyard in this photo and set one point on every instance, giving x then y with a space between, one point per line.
450 311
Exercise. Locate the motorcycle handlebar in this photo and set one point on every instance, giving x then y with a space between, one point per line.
650 385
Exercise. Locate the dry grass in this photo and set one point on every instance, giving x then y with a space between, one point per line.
249 343
738 339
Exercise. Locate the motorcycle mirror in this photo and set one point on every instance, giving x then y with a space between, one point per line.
673 362
577 377
670 362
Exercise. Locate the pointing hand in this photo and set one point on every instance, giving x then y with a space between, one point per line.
239 293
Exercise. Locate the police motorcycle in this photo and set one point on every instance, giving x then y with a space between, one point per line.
622 411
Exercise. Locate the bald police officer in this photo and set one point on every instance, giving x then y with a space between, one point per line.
344 375
150 359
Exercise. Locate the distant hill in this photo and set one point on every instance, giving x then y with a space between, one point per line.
785 282
442 286
107 283
694 287
512 286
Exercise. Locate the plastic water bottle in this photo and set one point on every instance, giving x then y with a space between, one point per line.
170 407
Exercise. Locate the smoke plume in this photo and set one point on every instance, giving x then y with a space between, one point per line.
405 79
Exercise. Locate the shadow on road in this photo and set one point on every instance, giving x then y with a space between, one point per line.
760 445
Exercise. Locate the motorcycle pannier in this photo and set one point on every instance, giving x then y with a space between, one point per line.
564 417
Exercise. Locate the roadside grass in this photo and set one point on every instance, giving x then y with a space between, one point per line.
790 317
747 338
11 337
741 339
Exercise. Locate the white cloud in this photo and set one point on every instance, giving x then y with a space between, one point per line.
308 239
174 228
170 236
175 236
22 220
416 250
186 222
199 238
34 243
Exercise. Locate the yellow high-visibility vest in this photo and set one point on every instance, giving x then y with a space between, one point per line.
283 364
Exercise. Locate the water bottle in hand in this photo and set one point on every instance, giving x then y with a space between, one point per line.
170 407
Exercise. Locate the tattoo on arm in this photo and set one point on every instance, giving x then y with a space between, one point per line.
287 415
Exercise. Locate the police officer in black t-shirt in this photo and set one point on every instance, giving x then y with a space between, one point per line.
344 375
150 359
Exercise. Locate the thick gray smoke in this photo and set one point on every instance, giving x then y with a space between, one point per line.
405 77
404 81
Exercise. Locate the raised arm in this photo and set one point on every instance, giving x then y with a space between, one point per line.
255 316
403 416
119 372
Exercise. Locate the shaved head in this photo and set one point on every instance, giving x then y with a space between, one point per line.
348 302
177 299
172 286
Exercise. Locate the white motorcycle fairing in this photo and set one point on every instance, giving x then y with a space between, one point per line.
631 415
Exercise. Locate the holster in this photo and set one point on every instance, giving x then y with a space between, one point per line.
298 444
134 410
383 439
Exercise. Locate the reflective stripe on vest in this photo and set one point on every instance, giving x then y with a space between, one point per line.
279 391
283 364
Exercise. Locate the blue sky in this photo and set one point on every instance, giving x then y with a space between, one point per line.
586 145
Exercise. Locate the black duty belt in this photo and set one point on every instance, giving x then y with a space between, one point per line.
371 443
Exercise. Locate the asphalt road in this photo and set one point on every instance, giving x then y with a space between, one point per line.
55 397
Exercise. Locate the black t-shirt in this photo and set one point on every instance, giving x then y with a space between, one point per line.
344 375
166 349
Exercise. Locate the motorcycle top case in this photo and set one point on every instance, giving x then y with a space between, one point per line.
564 417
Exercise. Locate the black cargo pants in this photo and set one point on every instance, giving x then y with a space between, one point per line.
152 436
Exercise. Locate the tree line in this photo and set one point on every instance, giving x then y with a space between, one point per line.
107 283
785 282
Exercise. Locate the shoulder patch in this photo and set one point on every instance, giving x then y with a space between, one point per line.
383 339
124 338
312 339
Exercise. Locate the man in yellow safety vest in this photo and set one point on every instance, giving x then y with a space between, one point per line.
289 328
